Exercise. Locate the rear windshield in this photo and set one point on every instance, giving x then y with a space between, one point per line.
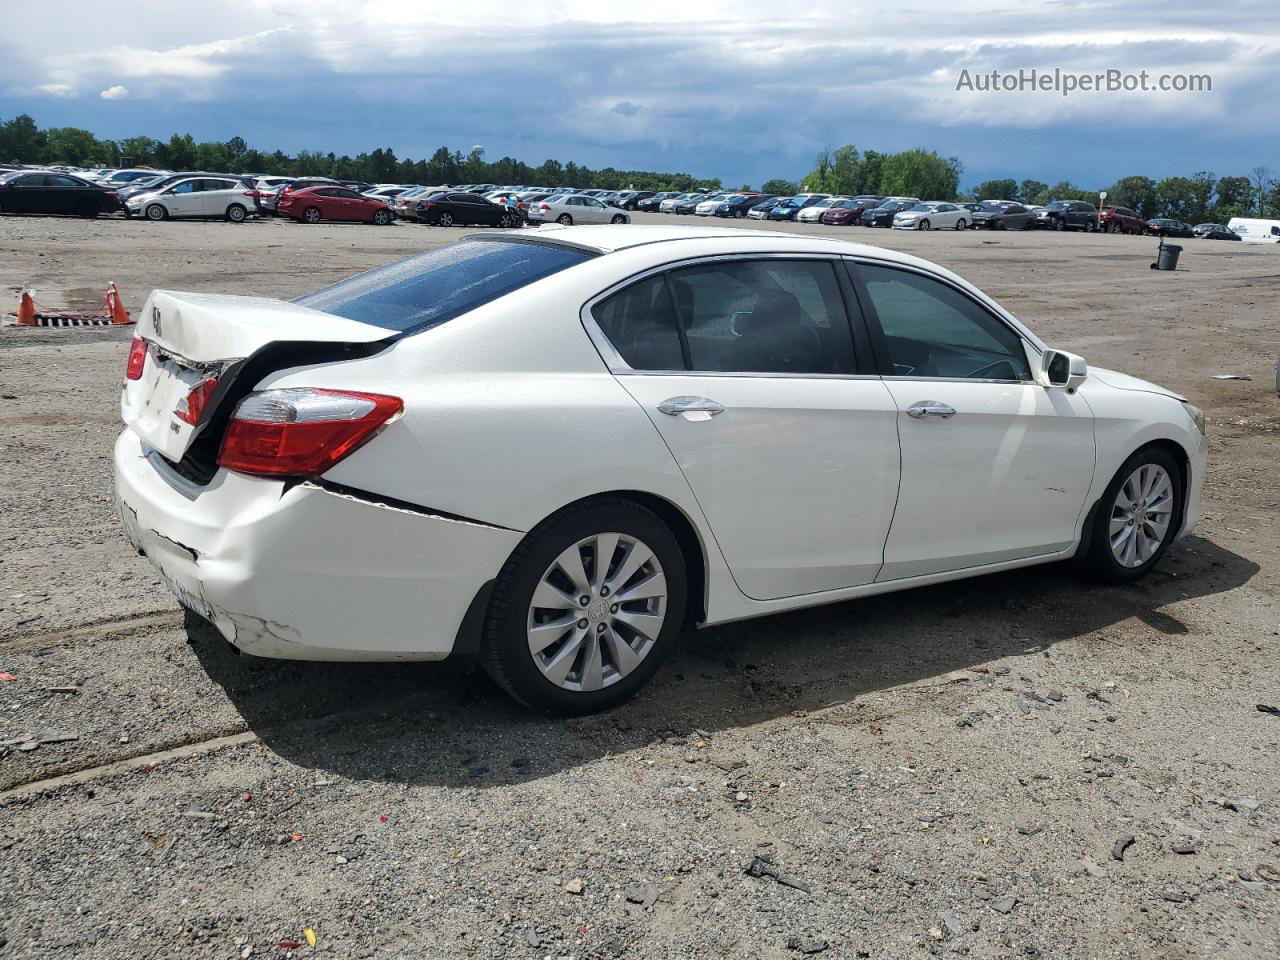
434 287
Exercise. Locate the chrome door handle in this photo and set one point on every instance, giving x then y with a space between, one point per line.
930 408
675 406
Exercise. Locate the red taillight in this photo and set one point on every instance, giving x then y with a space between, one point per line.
137 358
252 194
545 207
192 405
302 431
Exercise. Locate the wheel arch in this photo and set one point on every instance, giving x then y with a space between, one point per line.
1181 458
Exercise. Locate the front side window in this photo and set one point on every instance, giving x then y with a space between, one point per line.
739 316
187 187
933 330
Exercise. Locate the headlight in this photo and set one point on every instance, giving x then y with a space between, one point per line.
1197 416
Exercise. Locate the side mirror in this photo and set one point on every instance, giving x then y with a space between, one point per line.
1061 369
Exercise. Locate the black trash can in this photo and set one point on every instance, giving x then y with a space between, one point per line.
1167 257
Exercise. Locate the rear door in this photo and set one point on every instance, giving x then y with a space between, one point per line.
995 467
216 195
749 369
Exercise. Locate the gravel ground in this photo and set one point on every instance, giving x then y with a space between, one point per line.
1025 765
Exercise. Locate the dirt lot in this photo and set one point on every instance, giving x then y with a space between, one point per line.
944 772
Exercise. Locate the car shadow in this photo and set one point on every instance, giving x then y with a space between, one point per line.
435 724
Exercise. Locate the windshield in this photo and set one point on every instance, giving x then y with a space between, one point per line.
921 208
434 287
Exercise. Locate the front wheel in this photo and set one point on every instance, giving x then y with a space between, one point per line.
382 217
923 225
618 218
961 224
565 219
1137 518
507 220
156 212
586 608
738 214
236 213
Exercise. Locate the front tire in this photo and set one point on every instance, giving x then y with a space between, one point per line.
506 220
237 213
156 212
586 608
618 218
1137 517
923 225
961 224
382 217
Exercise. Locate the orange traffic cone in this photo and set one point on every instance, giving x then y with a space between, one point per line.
27 309
119 315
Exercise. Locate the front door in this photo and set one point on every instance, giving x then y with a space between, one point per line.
184 199
995 467
748 369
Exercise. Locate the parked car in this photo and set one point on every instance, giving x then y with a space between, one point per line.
814 211
707 207
1121 220
1165 227
1215 231
156 184
631 199
650 204
690 203
788 210
37 191
882 215
386 194
740 204
1068 215
669 205
223 198
761 210
573 208
932 215
405 205
1254 230
333 201
122 178
1001 215
451 208
848 211
415 490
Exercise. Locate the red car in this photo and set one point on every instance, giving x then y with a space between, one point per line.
1121 220
848 213
332 202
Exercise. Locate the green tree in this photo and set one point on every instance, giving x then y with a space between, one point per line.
781 188
870 172
73 146
1234 199
1137 193
996 190
1203 184
1176 197
1066 190
138 150
920 173
1033 192
178 154
236 148
846 163
21 141
213 156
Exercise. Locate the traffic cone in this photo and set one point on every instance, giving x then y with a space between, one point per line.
119 315
27 309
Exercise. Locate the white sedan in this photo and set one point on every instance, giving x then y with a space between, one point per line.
555 451
932 215
813 214
571 208
707 208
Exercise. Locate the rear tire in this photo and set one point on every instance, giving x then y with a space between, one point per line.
445 219
1116 528
565 219
311 215
237 213
535 570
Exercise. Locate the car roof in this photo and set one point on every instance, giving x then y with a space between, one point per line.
609 238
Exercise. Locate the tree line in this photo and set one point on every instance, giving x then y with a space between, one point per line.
844 170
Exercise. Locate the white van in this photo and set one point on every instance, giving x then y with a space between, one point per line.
1255 231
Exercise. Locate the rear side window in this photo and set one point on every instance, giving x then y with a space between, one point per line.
640 322
434 287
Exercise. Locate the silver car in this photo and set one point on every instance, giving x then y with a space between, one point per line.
574 208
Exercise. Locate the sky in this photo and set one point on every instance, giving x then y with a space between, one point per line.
744 90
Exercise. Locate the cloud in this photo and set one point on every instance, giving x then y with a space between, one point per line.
626 108
57 89
116 92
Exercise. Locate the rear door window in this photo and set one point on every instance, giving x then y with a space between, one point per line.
434 287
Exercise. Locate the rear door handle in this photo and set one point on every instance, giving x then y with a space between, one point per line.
692 408
930 408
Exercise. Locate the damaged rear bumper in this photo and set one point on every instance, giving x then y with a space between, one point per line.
301 572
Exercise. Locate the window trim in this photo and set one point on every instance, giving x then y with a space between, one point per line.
880 344
863 357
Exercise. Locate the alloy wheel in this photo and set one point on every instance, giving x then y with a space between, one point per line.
1141 515
597 612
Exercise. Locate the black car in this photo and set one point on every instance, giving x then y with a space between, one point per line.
1001 215
1163 227
738 206
38 191
1069 215
630 199
650 204
882 216
1215 231
448 209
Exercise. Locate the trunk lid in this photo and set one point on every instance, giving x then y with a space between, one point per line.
196 337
